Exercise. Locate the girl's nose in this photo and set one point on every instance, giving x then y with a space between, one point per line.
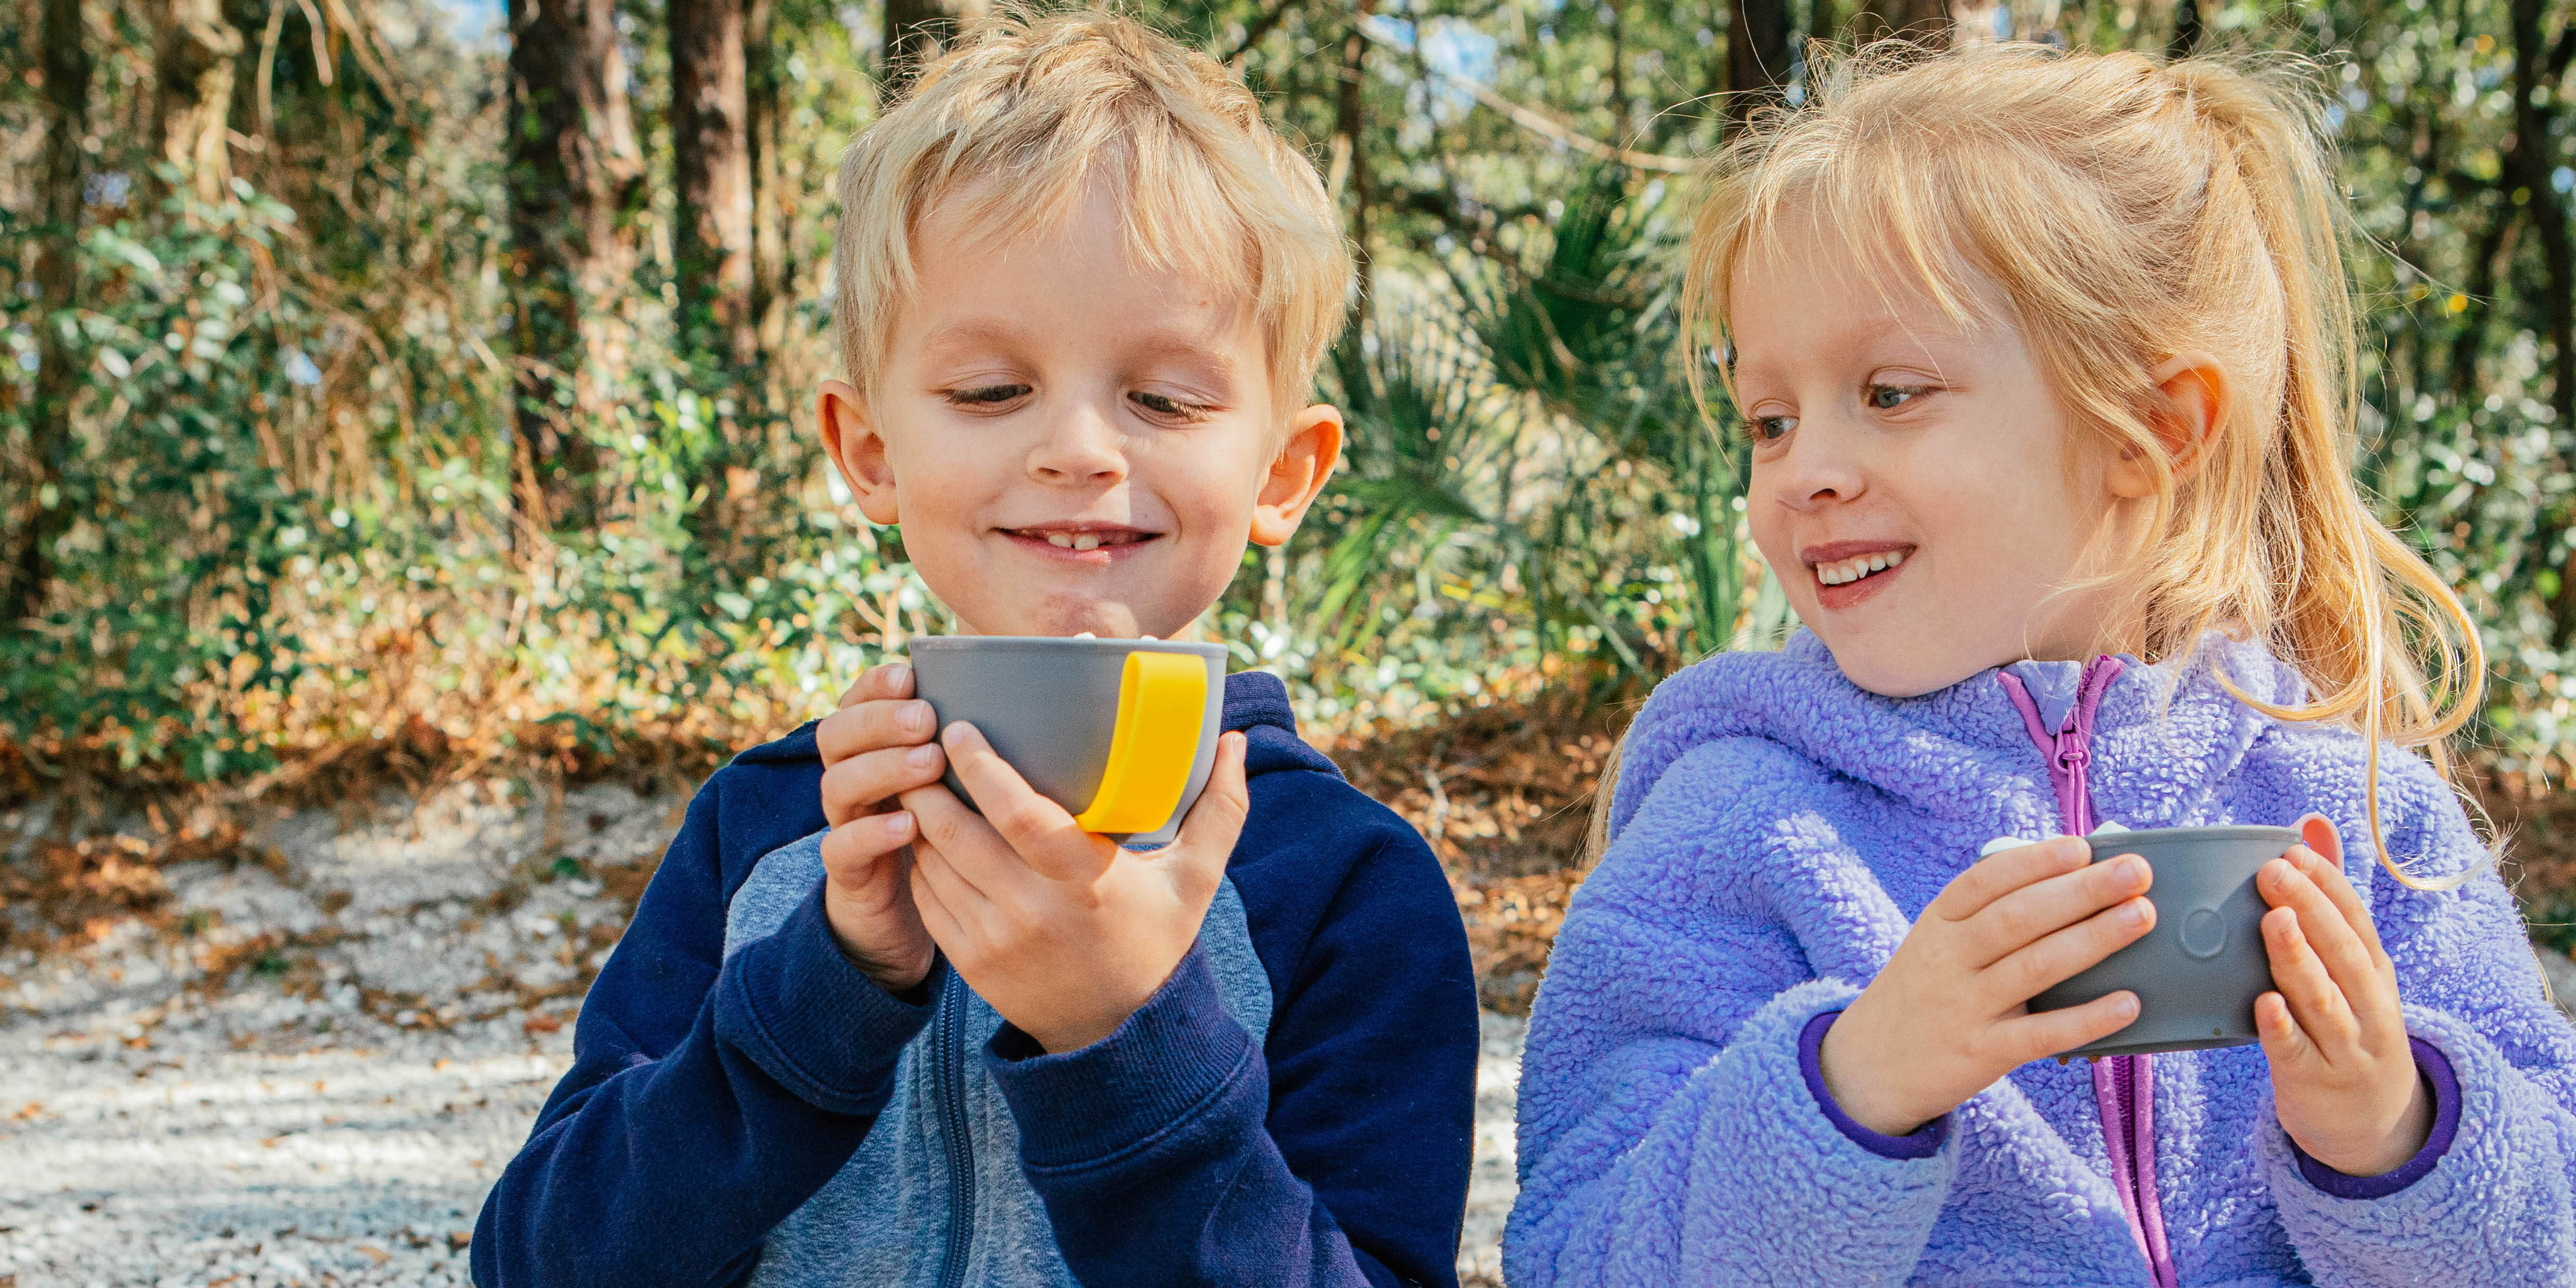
1817 473
1081 445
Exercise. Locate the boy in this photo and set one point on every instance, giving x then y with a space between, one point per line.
858 1034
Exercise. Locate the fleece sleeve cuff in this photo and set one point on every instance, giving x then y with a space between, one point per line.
1922 1142
811 1019
1177 1056
2444 1084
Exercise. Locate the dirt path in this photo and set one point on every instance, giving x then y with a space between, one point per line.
314 1075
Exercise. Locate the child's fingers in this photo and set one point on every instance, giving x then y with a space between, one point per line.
2338 889
2348 962
866 726
884 680
2005 871
2057 957
862 782
958 898
965 842
1215 821
851 850
1039 831
2315 1002
937 920
2044 907
2042 1034
2284 1043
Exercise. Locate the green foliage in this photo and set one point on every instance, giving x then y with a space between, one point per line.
297 497
187 538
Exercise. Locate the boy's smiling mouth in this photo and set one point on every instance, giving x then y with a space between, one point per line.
1847 572
1090 542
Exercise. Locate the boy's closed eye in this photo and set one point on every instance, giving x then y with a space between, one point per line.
1170 407
986 397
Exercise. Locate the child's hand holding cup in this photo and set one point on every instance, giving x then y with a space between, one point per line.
876 747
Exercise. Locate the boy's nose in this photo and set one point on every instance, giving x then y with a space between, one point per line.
1080 446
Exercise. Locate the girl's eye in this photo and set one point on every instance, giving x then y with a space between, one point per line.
1770 429
1163 405
1891 397
986 395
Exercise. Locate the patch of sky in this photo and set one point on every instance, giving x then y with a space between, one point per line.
474 24
1459 55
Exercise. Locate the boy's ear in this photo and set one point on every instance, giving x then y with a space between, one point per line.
857 449
2195 393
1297 475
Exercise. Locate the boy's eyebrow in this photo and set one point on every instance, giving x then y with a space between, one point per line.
1185 346
1188 347
970 333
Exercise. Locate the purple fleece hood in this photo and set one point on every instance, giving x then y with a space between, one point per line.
1775 829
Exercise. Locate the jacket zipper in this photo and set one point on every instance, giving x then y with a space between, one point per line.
948 1093
2123 1086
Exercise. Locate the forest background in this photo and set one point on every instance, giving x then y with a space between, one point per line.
408 388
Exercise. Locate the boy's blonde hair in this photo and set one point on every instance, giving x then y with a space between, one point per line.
2129 211
1029 112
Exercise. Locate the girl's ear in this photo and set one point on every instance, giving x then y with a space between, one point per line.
2194 393
2318 832
850 436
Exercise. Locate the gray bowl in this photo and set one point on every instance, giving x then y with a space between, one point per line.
2198 972
1050 708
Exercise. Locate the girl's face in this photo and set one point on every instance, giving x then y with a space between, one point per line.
1915 485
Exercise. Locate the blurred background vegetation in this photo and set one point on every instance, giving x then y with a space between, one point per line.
428 379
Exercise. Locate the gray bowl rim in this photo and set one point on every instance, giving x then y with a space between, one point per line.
1065 643
2109 843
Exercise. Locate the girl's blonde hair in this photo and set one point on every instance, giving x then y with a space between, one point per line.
2118 212
1031 111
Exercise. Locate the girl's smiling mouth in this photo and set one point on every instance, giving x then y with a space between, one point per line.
1847 572
1090 543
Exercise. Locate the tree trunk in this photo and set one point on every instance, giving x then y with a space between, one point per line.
1757 57
572 159
1350 158
2186 31
711 164
193 55
763 105
1924 22
2535 157
915 33
47 512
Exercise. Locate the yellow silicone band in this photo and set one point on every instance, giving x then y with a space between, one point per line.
1162 703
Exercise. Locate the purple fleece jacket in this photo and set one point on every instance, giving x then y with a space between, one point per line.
1774 831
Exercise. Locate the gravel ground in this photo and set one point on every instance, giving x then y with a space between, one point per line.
313 1076
314 1072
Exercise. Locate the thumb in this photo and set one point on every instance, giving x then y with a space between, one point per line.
1198 855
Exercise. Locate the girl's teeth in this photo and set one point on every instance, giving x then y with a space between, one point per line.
1087 541
1851 570
1059 539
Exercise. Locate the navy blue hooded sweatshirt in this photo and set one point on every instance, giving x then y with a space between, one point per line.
1294 1106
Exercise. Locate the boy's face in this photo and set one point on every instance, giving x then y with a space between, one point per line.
1074 442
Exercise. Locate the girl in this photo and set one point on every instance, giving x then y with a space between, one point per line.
2045 363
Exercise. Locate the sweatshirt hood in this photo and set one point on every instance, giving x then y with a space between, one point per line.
2168 731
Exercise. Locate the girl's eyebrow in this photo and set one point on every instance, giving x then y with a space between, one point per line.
1860 336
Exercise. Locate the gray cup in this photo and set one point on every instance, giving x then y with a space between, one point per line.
1051 708
2198 972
